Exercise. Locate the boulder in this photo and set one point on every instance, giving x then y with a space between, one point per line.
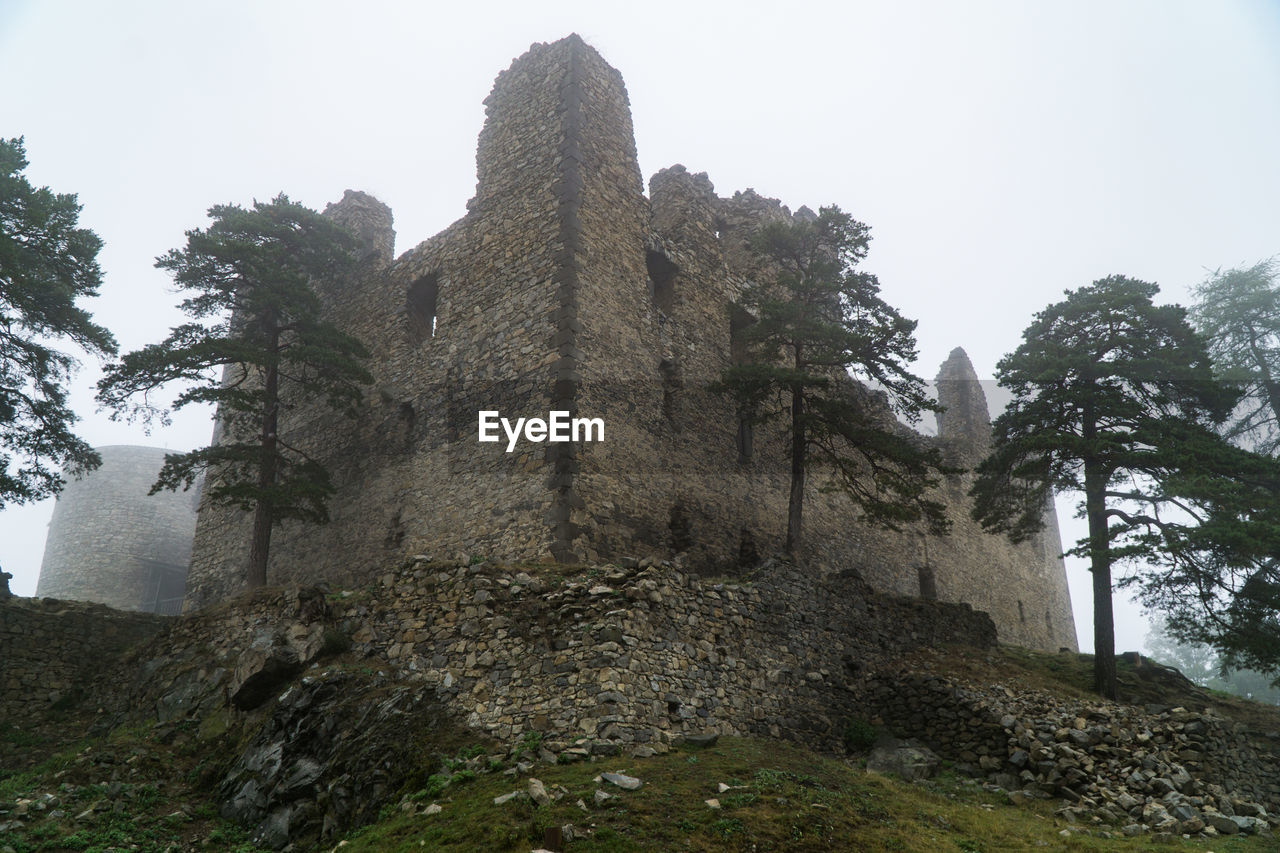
906 761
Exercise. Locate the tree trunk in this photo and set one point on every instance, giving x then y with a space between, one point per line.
260 546
1104 639
263 511
795 506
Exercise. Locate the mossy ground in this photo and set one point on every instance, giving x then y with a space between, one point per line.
138 789
783 798
155 788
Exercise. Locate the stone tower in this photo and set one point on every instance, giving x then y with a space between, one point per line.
1024 586
111 542
965 422
562 289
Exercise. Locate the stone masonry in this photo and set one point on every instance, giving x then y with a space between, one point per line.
566 288
613 660
54 650
111 542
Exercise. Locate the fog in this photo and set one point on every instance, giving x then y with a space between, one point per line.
1001 151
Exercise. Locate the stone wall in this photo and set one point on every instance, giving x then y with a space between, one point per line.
1168 769
52 650
323 705
111 542
625 660
565 288
622 656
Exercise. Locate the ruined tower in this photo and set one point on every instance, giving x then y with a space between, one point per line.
563 288
1024 586
111 542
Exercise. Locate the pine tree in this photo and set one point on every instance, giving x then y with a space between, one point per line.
1238 312
816 320
1114 397
47 265
1227 595
258 340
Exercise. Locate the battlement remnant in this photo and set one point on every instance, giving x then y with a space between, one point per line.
965 420
564 288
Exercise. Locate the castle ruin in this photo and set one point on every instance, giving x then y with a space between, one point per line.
113 543
565 288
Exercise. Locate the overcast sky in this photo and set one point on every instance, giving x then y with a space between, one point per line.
1001 151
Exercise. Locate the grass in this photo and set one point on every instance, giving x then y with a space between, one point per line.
1069 675
151 812
782 798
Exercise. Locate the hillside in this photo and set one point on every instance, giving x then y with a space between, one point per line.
299 717
159 786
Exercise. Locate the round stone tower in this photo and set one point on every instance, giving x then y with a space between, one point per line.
111 542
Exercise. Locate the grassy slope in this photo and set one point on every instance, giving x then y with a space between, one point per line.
790 799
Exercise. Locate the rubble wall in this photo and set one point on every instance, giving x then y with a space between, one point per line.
52 650
1168 769
622 657
633 660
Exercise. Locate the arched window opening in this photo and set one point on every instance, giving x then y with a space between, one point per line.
420 306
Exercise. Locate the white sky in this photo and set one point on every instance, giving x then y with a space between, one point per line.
1001 151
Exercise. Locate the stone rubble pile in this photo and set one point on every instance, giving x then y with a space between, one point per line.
630 659
1152 769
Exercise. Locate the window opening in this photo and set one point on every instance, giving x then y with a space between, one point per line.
662 280
420 305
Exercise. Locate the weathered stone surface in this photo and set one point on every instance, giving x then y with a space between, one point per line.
565 288
906 761
1222 824
325 758
538 793
54 649
627 783
261 673
113 543
1115 763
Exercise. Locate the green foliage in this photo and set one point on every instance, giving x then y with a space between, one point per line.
1204 666
257 342
47 264
436 783
816 320
1113 397
1232 602
1238 313
463 756
19 737
334 642
859 735
740 800
727 827
530 743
